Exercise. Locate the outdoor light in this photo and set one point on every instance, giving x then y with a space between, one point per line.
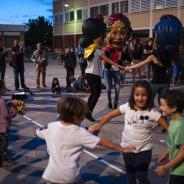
66 5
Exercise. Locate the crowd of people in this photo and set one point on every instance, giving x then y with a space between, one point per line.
120 54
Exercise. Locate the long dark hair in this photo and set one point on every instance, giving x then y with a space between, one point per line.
150 101
53 84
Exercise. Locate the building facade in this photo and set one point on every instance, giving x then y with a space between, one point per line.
9 33
68 16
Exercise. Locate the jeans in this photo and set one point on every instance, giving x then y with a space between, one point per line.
95 83
137 165
113 76
19 72
70 71
83 68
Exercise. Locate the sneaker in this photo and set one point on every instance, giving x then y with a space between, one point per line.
89 117
44 86
115 105
37 86
110 105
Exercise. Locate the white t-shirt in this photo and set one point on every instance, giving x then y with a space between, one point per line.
138 126
65 144
95 65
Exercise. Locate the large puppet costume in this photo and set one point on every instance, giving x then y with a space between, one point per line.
94 30
168 33
119 30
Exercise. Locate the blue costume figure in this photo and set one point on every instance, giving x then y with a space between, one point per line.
167 36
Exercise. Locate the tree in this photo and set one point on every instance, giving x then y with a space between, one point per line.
39 30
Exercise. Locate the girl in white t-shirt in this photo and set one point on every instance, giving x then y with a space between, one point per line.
140 118
66 139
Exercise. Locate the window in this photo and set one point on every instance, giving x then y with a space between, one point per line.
115 8
124 6
94 11
72 16
67 17
104 10
159 4
79 14
140 5
85 14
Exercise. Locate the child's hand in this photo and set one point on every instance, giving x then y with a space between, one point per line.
161 170
94 128
161 159
129 149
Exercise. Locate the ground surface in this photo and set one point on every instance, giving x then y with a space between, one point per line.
31 154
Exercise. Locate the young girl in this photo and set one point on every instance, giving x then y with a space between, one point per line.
5 117
172 104
65 140
140 118
93 36
55 86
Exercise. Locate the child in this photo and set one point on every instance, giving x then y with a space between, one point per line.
65 140
172 104
55 86
94 30
5 117
140 118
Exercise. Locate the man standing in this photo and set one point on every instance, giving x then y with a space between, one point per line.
18 64
40 59
3 53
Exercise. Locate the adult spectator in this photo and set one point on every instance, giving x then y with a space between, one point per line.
40 59
3 54
17 63
70 64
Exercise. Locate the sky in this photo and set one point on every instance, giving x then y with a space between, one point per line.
20 11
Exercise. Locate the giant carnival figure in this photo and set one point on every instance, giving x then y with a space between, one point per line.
167 37
94 30
119 30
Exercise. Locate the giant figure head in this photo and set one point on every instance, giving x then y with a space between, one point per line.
119 29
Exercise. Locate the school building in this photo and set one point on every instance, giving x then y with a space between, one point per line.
68 16
9 33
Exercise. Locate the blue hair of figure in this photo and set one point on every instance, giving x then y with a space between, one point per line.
168 32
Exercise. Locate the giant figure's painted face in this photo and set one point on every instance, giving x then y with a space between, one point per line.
119 30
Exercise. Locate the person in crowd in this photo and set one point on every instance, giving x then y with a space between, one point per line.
70 64
93 37
55 86
17 53
40 59
3 54
66 139
140 118
172 104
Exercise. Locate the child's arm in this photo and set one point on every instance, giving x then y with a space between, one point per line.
163 157
104 120
163 123
107 144
105 58
174 162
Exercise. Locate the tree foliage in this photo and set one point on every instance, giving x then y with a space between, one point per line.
39 30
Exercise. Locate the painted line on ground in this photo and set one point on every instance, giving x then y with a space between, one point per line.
87 152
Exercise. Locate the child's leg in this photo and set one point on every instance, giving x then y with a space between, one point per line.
129 159
142 162
174 179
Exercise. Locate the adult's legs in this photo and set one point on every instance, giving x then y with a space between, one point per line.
43 70
16 78
117 83
3 70
22 80
94 82
109 85
38 71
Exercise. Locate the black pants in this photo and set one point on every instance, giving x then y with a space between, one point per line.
83 68
3 147
69 75
2 70
137 166
19 72
95 83
174 179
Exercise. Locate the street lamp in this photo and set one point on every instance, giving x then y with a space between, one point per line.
66 5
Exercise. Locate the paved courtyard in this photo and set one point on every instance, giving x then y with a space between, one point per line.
98 166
